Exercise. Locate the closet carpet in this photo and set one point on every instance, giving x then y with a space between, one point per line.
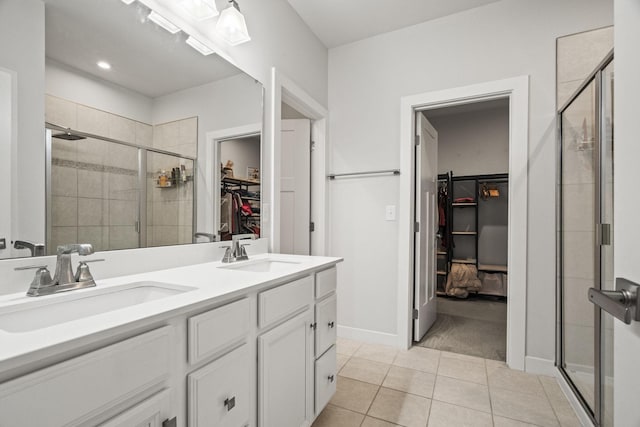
476 326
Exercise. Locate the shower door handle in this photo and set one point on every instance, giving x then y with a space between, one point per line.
621 303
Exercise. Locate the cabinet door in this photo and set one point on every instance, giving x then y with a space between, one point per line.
285 373
219 393
150 413
327 324
326 378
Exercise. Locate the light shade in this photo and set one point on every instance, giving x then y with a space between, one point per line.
199 46
231 26
163 22
200 9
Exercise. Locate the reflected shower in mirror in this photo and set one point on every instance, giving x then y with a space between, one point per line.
127 107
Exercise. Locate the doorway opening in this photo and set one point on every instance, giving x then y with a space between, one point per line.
468 264
412 312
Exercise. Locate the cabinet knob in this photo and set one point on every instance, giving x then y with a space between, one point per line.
330 378
331 325
313 326
230 403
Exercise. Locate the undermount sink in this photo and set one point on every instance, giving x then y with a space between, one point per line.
42 312
262 266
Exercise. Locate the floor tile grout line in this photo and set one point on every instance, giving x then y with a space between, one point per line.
544 390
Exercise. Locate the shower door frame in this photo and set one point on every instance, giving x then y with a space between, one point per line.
596 415
142 181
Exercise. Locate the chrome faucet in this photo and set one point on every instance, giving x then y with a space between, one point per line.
235 252
64 271
64 278
36 249
210 236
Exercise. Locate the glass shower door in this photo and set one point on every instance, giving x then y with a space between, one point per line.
585 243
578 189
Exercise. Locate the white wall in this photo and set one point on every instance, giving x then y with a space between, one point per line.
243 153
366 81
627 176
19 21
74 85
473 143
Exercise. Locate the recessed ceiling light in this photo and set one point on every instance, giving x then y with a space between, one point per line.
128 1
163 22
199 46
104 65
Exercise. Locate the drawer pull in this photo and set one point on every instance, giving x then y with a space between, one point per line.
331 325
330 378
230 403
313 326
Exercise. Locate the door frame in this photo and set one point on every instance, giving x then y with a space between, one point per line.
283 89
517 90
212 170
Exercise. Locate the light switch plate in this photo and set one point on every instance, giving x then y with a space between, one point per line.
390 213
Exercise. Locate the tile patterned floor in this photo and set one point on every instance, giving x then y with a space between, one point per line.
379 386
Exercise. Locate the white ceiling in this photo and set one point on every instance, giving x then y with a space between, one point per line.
337 22
473 107
144 57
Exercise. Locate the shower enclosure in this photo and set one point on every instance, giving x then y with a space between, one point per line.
115 194
584 242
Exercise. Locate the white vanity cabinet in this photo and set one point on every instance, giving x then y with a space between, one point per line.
82 389
326 324
264 357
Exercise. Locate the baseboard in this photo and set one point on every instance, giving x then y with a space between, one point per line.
539 366
368 336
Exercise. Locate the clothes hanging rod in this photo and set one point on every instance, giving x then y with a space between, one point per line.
380 172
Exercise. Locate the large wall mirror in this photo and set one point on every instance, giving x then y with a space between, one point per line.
124 109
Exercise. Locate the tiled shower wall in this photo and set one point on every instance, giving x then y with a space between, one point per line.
95 183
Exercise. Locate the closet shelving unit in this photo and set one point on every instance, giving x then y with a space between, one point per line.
463 222
231 183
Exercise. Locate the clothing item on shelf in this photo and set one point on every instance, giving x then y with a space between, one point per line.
461 279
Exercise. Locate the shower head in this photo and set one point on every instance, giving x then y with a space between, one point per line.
68 136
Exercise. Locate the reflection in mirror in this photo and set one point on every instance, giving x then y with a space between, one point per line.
239 186
128 107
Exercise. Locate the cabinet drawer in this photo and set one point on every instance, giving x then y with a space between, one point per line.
217 329
219 393
278 303
326 282
326 324
75 391
326 378
150 413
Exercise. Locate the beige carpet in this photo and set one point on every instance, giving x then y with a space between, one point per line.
476 326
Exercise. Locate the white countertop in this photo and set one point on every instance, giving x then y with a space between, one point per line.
211 284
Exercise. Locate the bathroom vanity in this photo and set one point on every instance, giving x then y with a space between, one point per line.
250 343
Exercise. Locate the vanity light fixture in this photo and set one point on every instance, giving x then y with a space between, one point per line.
231 25
199 46
104 65
163 22
200 9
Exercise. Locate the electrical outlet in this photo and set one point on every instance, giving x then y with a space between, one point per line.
390 213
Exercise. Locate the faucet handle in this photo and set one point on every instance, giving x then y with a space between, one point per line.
42 279
242 252
83 274
228 254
